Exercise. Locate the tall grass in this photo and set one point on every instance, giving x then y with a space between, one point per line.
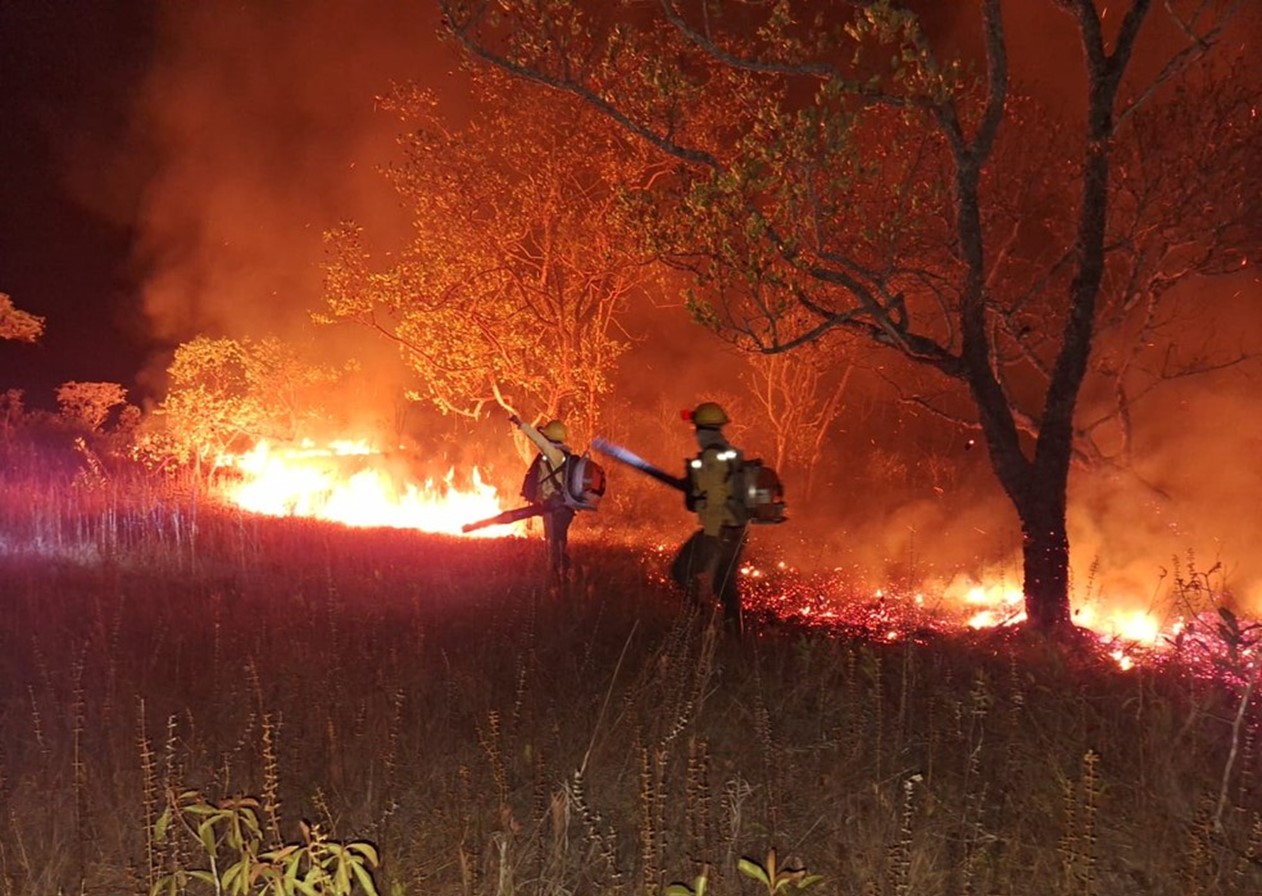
493 736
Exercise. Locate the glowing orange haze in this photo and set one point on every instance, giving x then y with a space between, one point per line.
316 482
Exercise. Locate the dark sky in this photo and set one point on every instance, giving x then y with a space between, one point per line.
67 71
169 168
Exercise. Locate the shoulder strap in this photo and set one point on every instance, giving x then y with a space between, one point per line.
555 473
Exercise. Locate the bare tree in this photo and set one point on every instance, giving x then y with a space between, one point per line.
799 395
12 411
836 159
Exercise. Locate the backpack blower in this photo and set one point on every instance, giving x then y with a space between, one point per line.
756 486
580 485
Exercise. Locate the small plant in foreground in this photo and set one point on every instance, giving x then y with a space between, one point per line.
237 865
787 881
698 887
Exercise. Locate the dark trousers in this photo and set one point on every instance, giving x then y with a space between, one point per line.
556 529
708 567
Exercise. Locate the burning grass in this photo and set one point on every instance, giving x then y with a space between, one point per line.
493 736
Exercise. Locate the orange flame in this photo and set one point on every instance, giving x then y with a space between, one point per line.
311 481
341 483
1125 631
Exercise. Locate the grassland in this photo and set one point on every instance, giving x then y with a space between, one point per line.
494 736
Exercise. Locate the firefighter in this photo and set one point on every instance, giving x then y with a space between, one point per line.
708 564
545 485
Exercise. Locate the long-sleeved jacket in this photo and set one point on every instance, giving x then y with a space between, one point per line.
554 454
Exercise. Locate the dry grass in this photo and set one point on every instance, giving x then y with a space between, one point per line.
496 737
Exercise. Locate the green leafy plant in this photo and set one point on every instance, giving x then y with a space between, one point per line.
777 880
698 887
237 864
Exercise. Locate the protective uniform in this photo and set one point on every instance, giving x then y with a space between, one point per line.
550 440
709 561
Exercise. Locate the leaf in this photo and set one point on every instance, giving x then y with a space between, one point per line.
206 833
367 850
160 826
291 869
276 856
753 870
235 875
364 878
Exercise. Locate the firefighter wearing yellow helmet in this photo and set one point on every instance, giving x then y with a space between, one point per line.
544 485
708 563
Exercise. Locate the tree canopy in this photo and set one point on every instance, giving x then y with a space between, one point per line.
225 394
847 167
18 324
511 286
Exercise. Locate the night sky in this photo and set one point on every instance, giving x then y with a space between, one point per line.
169 169
66 74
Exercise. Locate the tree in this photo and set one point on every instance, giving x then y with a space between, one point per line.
12 411
799 395
838 159
512 284
90 403
227 393
17 324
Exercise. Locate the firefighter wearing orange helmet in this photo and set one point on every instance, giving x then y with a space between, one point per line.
545 485
708 563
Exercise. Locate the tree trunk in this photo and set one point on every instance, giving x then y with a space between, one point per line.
1038 490
1045 551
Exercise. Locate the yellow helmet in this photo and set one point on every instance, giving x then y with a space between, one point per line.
708 413
554 430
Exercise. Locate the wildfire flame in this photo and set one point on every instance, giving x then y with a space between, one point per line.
834 601
322 482
341 483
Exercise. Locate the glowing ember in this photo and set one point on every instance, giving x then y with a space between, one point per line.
317 482
833 601
1001 605
1136 626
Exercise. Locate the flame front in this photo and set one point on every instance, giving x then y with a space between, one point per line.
312 481
342 483
837 601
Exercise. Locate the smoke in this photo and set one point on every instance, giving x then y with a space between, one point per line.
1190 502
1184 509
260 128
